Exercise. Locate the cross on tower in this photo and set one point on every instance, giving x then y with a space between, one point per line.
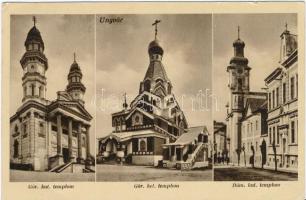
34 20
286 26
238 32
125 105
74 57
155 24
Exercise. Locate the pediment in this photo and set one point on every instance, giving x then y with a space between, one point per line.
72 107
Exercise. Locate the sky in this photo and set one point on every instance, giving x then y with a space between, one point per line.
122 61
62 35
261 34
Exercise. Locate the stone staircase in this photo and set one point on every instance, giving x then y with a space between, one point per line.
72 167
190 163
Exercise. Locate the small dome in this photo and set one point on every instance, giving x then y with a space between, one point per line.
238 42
34 35
155 48
75 67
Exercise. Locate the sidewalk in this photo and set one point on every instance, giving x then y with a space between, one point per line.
270 168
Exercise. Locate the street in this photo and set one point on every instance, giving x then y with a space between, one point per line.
148 173
32 176
250 174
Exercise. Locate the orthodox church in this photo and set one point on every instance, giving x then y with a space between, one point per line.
153 130
49 135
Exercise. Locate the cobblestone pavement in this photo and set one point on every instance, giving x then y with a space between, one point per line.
32 176
249 174
146 173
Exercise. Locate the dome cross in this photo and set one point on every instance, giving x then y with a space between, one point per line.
155 24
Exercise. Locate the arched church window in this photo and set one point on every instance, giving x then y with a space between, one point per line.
239 84
25 90
181 125
147 86
143 145
159 81
169 89
32 67
117 124
40 91
33 89
137 119
16 129
83 141
16 148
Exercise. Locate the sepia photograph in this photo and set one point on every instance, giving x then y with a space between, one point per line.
154 82
163 100
256 123
52 92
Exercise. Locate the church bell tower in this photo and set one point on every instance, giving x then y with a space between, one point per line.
34 64
156 80
75 87
239 74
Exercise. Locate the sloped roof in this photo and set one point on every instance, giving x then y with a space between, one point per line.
122 136
191 135
255 104
156 70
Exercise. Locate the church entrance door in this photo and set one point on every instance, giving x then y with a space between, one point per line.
66 155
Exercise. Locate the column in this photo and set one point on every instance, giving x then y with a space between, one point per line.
87 143
70 138
80 158
59 134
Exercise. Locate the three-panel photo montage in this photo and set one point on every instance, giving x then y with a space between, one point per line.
153 97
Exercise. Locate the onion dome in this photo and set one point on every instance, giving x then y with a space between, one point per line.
155 48
238 43
34 37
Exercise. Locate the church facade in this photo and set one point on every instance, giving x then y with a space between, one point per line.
263 127
153 130
49 135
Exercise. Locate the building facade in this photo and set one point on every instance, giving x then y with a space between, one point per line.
239 92
282 86
49 135
254 133
152 121
220 142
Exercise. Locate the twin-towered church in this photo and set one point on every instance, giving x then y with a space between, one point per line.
49 135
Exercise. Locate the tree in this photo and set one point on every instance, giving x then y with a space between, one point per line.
253 156
263 149
243 149
238 151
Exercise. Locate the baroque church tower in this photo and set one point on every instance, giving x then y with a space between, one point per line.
239 75
75 87
34 64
